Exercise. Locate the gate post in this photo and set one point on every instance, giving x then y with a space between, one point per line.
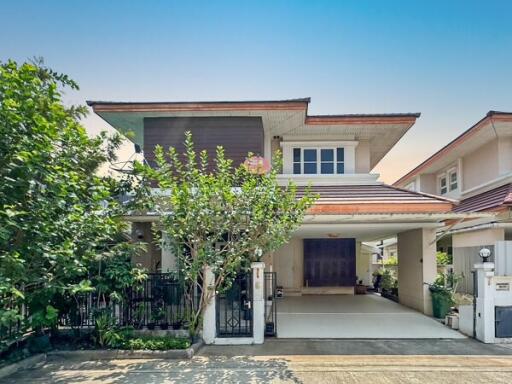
258 281
209 320
485 302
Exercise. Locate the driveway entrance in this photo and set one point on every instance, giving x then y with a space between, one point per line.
354 317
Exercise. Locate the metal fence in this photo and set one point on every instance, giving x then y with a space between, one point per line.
11 330
270 304
159 302
234 308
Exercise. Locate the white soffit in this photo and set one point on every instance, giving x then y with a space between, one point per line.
382 137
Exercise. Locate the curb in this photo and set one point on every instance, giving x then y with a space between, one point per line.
99 354
28 363
118 354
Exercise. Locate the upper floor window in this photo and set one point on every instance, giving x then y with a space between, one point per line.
452 176
443 187
448 181
313 161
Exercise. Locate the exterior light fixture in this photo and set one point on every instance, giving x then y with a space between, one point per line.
485 253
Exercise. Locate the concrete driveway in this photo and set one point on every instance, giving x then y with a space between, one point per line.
355 317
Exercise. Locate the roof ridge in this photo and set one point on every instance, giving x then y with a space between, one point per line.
297 100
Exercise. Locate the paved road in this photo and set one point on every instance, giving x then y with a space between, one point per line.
375 369
297 361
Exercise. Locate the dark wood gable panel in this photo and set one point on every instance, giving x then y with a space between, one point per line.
238 135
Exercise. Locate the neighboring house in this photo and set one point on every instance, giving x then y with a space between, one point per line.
333 153
475 169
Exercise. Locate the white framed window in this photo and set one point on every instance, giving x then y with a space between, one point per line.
452 179
447 181
318 161
443 184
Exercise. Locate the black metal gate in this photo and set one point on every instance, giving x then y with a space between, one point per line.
234 309
270 304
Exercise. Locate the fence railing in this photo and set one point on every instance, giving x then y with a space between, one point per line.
159 302
270 304
12 329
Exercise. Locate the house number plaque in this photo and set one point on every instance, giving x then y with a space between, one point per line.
503 286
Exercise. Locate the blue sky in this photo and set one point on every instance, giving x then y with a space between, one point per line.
449 60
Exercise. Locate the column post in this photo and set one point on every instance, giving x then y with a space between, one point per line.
210 319
258 282
485 327
169 262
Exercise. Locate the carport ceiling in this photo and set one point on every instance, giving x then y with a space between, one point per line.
362 232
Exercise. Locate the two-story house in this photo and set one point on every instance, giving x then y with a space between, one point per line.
319 267
475 169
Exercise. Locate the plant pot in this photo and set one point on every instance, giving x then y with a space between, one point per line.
441 305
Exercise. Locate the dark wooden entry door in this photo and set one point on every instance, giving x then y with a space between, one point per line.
329 262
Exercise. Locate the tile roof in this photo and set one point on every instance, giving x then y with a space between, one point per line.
369 194
487 200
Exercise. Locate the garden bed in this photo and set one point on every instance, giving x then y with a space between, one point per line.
85 344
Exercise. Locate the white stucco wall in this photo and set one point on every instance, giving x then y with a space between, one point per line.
478 238
505 155
288 265
363 264
362 157
428 183
481 165
417 253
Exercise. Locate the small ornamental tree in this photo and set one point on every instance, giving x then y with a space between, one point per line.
222 219
60 226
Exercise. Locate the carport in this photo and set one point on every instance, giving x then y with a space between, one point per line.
367 316
320 266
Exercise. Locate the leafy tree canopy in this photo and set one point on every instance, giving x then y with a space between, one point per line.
58 217
222 219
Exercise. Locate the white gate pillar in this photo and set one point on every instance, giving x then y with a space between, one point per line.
209 319
258 283
485 327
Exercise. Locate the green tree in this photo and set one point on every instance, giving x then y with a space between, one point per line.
59 219
222 219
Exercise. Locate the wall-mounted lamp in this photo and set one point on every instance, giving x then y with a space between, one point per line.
485 253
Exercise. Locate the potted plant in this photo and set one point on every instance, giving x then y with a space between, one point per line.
443 294
41 321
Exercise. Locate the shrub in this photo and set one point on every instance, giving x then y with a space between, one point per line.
156 343
391 261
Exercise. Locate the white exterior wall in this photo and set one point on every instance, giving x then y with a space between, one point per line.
493 291
417 265
505 155
481 165
288 265
362 157
478 238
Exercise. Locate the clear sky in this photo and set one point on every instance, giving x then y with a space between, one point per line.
449 60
